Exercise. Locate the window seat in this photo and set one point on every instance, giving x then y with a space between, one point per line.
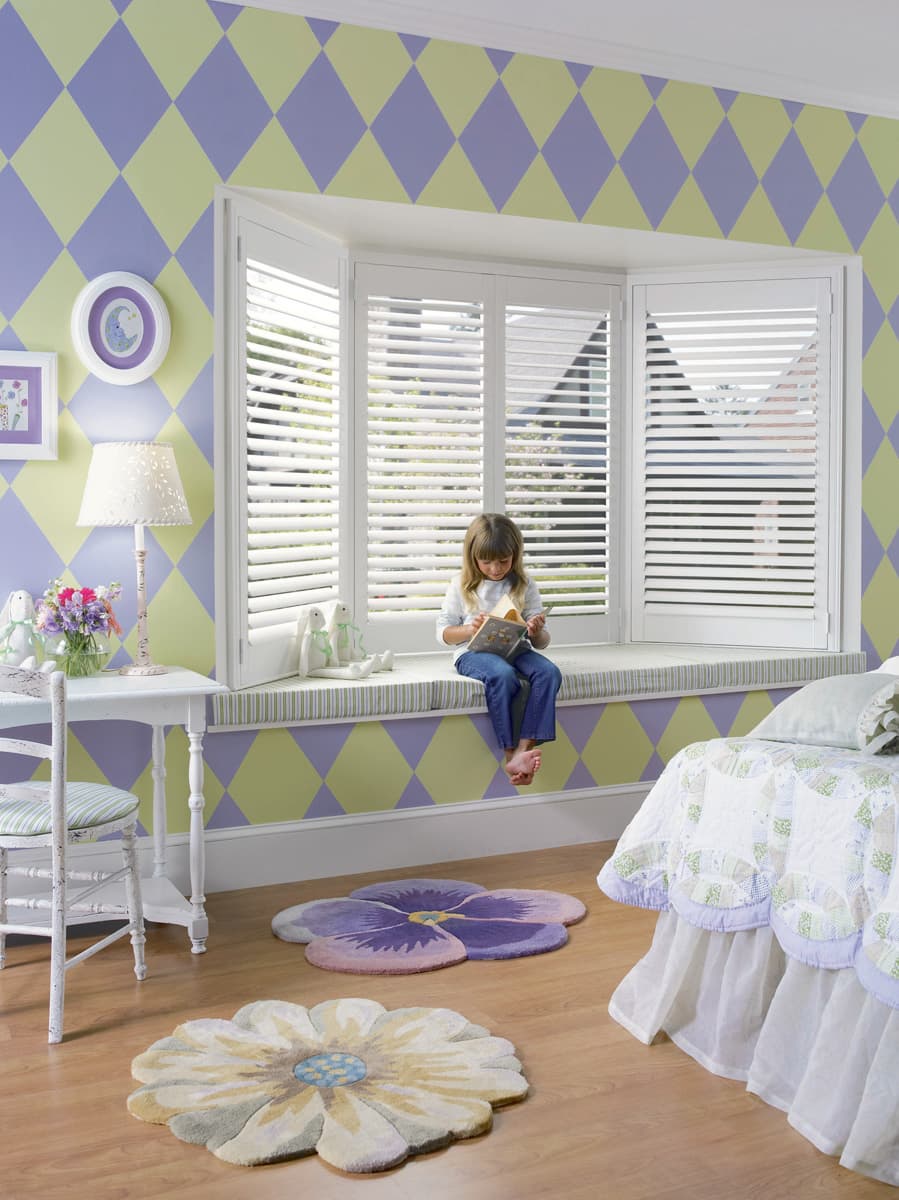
429 684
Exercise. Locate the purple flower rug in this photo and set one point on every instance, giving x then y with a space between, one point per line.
399 928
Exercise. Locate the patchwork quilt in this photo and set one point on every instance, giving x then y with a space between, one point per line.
740 833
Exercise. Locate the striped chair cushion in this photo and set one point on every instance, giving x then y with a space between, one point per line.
87 805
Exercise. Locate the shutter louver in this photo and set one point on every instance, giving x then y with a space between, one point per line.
292 445
424 446
557 447
733 453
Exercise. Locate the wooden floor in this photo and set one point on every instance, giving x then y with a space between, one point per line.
606 1117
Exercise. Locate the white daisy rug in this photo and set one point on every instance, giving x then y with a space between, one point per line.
361 1086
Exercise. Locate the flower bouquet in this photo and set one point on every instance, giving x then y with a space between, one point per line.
83 619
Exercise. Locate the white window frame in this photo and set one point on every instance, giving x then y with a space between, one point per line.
844 597
842 469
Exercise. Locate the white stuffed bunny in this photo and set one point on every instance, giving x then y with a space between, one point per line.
18 639
346 638
317 656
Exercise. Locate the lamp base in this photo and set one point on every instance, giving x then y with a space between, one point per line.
145 669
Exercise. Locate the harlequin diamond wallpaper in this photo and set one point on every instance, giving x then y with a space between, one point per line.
122 115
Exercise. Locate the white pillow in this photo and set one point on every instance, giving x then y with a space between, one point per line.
890 667
860 712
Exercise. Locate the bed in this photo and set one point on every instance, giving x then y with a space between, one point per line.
775 957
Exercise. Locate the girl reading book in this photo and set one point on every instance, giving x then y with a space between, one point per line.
493 578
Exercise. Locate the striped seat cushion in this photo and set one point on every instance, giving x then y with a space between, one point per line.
87 805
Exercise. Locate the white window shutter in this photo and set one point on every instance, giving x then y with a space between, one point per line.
733 414
561 341
289 380
421 385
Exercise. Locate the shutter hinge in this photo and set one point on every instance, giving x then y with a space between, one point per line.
240 249
620 310
240 651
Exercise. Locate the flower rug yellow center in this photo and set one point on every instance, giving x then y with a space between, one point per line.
361 1086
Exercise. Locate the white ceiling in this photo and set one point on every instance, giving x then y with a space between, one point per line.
840 53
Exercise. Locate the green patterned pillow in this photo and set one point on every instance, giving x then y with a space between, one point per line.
858 712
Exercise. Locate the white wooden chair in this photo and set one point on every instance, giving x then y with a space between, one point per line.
49 816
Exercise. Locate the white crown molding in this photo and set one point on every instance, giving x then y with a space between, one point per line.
427 21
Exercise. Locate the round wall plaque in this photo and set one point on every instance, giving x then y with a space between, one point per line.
120 327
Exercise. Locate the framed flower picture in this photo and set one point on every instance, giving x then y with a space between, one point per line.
28 404
120 327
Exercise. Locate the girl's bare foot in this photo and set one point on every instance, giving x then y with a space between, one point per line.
521 766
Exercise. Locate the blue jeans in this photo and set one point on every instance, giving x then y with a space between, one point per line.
503 681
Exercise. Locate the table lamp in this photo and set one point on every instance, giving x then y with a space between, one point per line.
135 483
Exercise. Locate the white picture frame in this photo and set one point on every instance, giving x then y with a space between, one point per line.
29 404
120 327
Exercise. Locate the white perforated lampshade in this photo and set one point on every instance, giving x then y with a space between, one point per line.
133 483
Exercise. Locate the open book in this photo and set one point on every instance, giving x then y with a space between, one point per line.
503 631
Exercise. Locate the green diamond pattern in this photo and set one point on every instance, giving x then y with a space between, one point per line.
65 171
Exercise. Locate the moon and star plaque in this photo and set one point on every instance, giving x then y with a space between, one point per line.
120 327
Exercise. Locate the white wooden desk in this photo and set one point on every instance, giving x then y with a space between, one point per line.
176 698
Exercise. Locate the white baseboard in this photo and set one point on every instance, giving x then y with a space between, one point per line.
256 855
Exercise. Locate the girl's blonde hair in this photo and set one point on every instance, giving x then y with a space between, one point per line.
489 537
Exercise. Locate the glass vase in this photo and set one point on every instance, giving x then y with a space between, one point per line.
80 654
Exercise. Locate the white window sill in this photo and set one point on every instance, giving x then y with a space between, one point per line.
428 684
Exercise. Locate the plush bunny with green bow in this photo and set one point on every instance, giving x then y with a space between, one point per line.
18 639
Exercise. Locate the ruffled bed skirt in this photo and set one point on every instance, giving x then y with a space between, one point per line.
809 1041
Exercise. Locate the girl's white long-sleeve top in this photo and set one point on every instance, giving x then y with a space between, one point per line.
456 611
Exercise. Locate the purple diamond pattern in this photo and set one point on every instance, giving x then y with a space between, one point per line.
28 243
579 156
118 69
107 554
99 411
579 721
580 777
654 715
894 434
35 562
322 29
413 133
654 166
894 554
725 176
723 707
414 44
195 256
872 315
322 744
225 14
119 231
655 84
121 758
195 411
412 738
225 754
893 316
30 85
856 195
415 795
653 769
120 5
321 121
872 551
324 804
226 814
498 145
726 97
197 565
792 108
578 72
872 432
856 120
792 185
224 108
894 200
500 59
